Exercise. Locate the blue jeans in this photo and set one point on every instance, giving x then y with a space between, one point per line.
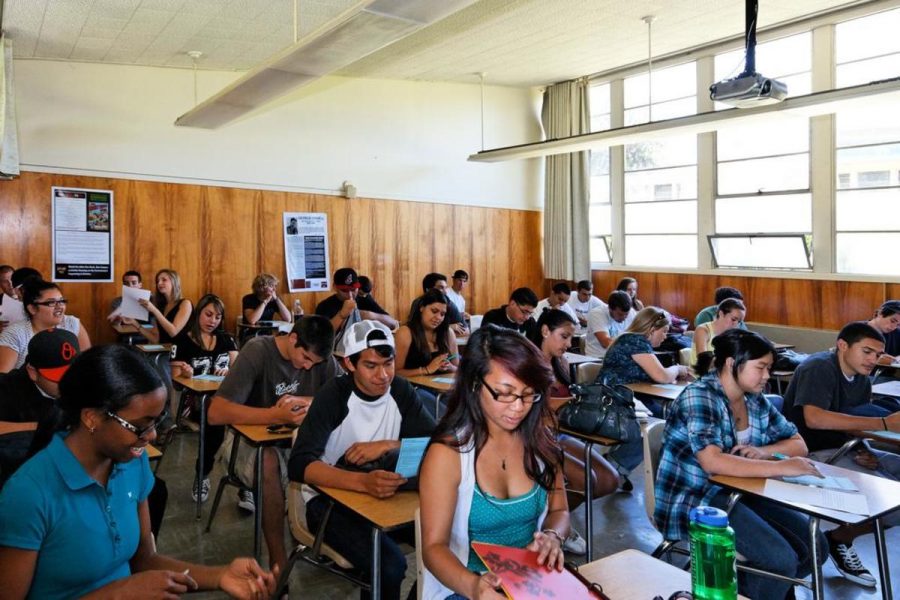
351 536
772 538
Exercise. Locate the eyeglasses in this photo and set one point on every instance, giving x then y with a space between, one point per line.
140 432
525 311
53 303
508 398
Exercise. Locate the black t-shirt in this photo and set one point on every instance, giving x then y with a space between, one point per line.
250 301
330 306
453 315
497 316
204 362
892 342
20 399
368 303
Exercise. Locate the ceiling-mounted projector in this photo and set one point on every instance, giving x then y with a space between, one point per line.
749 88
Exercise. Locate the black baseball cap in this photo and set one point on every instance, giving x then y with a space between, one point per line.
51 352
346 279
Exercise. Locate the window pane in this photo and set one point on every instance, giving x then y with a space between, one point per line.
600 219
764 214
661 250
599 95
661 217
868 166
600 122
764 175
868 36
778 135
875 124
600 190
864 253
667 152
661 185
599 162
599 253
867 70
760 253
636 116
670 83
785 56
868 210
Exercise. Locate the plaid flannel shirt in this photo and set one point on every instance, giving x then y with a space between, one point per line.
701 416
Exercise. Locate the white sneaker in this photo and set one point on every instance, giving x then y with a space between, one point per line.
204 490
575 544
245 501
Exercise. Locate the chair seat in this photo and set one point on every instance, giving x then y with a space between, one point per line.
300 531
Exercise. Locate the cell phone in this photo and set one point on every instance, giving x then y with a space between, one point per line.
452 357
281 428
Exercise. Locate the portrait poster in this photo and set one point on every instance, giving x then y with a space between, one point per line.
306 251
82 234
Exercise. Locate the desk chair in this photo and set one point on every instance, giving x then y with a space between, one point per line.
587 372
474 322
653 437
684 357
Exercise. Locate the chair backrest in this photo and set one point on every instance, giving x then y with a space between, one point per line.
587 372
420 563
475 322
776 401
653 437
684 357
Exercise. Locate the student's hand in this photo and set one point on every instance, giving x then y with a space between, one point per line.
184 368
486 588
114 317
438 363
549 549
747 451
797 465
128 321
221 372
383 484
157 584
459 329
245 579
467 316
151 308
291 409
885 359
363 452
270 296
866 459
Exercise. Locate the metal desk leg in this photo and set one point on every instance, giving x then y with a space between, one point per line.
376 563
815 578
588 500
257 515
200 465
884 571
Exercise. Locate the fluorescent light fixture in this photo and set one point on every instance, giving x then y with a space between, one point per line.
820 103
359 31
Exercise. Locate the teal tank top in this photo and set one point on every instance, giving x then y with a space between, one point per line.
507 522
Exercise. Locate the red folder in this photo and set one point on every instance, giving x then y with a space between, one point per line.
524 579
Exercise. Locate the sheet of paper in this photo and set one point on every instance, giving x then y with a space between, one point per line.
843 501
210 377
130 307
888 388
641 409
894 435
12 311
834 483
411 452
449 380
153 348
669 386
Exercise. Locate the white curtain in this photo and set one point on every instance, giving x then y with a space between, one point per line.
9 137
565 113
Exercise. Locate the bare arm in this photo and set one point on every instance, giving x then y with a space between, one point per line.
16 571
8 358
84 340
223 411
283 310
175 326
716 462
380 484
11 427
701 337
604 338
652 367
402 342
819 418
252 315
388 321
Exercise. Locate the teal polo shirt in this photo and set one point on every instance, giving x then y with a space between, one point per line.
84 533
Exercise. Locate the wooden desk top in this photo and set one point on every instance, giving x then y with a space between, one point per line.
154 348
386 514
780 346
883 495
428 381
657 390
884 437
123 329
153 453
603 441
285 326
575 359
203 386
633 574
257 435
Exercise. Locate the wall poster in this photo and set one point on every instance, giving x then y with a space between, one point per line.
82 234
306 251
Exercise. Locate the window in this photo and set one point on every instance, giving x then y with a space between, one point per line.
761 252
600 210
867 49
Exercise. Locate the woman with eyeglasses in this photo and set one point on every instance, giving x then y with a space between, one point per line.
493 470
45 308
263 304
75 517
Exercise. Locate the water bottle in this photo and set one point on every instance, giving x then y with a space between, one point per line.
713 571
298 310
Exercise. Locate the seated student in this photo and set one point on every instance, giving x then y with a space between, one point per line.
606 322
45 308
358 417
204 348
558 299
130 279
341 309
553 336
729 314
830 395
20 276
170 311
492 472
517 314
6 289
584 301
264 304
365 301
273 381
426 344
709 313
75 516
454 292
629 285
438 281
886 321
630 358
722 424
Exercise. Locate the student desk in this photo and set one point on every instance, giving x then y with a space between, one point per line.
385 515
246 331
576 359
205 389
633 574
589 441
428 381
257 437
123 329
883 496
665 392
155 351
780 346
154 455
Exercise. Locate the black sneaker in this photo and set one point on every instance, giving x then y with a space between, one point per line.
848 564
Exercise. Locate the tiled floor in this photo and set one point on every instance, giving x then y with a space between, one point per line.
620 522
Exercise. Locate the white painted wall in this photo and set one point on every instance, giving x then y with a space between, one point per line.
392 139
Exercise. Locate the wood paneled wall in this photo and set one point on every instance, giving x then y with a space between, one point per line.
218 239
819 304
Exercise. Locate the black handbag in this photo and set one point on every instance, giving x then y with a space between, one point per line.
603 410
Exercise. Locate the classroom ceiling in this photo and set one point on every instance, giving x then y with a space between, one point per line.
515 42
